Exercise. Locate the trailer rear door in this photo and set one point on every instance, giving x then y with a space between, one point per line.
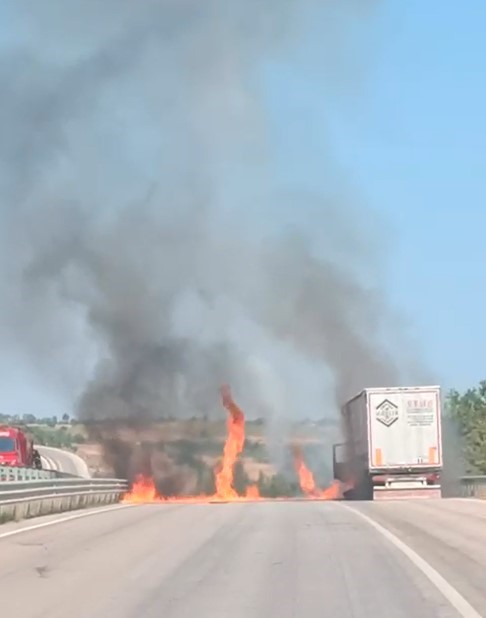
404 428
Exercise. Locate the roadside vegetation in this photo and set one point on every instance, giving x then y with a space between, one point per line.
198 442
466 414
195 444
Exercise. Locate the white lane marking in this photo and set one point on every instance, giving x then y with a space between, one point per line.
49 463
463 607
61 520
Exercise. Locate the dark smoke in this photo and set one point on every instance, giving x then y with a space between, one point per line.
130 130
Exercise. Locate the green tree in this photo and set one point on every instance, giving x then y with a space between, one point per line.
469 411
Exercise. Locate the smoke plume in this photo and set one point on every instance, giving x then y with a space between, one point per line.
132 133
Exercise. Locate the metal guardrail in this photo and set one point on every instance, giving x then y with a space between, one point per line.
14 473
24 499
473 486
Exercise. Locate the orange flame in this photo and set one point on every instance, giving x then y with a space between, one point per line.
306 478
308 484
143 490
234 444
252 492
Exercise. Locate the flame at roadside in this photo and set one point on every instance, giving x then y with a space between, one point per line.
233 447
308 484
143 490
252 492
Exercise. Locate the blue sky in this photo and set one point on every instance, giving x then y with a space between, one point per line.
411 139
402 116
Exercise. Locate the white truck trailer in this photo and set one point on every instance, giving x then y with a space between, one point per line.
393 445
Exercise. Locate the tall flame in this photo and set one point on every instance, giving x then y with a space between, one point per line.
143 490
234 444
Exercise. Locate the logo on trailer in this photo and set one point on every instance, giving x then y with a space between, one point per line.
387 413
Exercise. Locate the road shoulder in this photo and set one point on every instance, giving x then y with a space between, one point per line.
449 535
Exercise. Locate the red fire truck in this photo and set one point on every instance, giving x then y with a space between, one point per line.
17 448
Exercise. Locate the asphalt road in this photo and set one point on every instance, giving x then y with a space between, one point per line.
282 560
63 461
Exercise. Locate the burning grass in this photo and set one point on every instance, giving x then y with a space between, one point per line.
144 490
